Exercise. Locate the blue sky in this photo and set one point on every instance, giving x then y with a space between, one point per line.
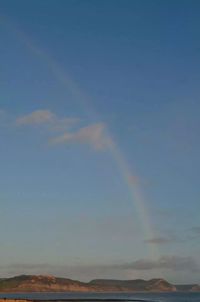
99 100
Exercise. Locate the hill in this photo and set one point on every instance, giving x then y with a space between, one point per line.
41 283
32 283
134 285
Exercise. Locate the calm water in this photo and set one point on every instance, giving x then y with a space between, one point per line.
157 297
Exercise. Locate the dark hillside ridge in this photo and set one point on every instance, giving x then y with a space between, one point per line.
136 285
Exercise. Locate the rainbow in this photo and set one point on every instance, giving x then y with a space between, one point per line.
133 185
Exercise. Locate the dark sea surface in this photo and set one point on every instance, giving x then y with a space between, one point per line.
157 297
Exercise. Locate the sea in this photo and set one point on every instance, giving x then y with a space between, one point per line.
150 297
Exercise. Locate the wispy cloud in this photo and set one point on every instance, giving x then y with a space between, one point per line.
174 263
173 237
36 118
46 117
94 135
88 272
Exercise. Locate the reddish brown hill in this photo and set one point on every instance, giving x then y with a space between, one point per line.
32 283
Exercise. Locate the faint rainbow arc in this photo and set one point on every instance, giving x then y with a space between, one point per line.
134 188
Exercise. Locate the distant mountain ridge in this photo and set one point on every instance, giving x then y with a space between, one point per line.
43 283
135 285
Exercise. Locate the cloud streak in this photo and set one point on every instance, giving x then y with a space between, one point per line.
36 118
175 263
93 135
46 117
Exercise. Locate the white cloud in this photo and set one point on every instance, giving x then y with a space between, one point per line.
48 118
36 117
94 135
